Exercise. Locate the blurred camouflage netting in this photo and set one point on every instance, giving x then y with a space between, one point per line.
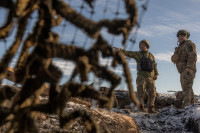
34 66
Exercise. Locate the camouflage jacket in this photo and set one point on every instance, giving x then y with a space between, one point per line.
185 56
137 55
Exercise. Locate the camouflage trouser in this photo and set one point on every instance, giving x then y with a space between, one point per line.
146 84
187 79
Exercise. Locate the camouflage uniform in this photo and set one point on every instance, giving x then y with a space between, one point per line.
144 81
185 56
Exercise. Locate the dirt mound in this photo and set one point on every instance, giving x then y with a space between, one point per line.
106 120
115 122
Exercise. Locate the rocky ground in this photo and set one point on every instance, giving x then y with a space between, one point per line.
125 120
115 122
167 120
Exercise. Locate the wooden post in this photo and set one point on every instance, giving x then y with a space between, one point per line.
179 95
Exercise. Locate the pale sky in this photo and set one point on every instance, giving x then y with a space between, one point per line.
159 26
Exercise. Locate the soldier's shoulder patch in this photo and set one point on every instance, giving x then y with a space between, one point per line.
191 47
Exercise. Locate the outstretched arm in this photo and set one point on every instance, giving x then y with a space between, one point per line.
130 54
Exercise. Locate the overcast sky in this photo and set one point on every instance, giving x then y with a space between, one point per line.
159 26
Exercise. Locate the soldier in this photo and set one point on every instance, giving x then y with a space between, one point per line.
185 57
146 74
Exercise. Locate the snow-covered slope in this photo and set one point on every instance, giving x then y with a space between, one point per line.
168 119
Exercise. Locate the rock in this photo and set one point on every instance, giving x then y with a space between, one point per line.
178 103
193 125
123 99
170 101
105 119
161 102
117 123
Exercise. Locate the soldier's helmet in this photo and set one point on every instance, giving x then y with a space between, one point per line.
146 42
183 32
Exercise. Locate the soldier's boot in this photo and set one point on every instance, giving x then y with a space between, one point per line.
142 108
186 102
193 100
152 110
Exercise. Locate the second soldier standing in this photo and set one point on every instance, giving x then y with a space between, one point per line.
185 57
147 73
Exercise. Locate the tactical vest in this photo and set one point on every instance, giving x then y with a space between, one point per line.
146 64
